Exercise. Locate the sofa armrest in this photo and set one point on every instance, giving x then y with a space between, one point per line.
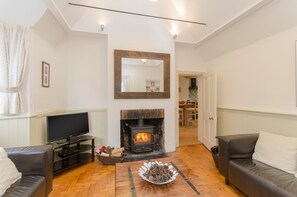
34 160
234 147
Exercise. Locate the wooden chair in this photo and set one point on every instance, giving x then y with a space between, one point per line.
192 115
181 116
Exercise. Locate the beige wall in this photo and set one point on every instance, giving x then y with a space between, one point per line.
232 121
257 86
184 84
259 77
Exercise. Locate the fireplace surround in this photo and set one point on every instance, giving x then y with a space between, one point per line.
142 133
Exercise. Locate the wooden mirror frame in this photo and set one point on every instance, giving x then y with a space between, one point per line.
119 54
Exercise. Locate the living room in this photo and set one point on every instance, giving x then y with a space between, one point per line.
253 57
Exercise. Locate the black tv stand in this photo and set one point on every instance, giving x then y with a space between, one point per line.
72 152
65 152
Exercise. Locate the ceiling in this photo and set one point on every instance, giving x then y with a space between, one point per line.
217 14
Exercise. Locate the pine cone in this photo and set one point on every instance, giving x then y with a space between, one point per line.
158 173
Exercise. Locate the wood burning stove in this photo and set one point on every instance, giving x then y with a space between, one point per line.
142 137
142 134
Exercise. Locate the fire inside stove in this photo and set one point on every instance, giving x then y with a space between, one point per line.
142 138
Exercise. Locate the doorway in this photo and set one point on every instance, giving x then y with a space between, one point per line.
187 105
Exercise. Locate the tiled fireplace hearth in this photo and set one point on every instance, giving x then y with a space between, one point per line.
142 133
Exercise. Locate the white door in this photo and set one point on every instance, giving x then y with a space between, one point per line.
209 110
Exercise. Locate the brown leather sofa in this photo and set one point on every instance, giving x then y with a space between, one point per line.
254 178
36 165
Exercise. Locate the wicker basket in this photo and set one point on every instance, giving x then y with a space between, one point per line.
110 160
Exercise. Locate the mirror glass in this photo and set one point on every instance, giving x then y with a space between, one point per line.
142 75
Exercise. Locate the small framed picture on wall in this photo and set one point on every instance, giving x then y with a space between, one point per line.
45 75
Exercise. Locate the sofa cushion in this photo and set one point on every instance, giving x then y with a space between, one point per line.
28 186
277 151
8 173
258 179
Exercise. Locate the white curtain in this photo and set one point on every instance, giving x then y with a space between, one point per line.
13 58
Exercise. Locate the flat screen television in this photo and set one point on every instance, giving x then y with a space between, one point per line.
66 126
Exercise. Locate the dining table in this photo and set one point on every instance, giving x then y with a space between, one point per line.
184 106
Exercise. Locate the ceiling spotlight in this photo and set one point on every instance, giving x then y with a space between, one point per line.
102 27
153 0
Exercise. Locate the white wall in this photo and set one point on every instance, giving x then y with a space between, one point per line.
8 10
143 39
184 84
41 99
42 49
78 67
256 86
259 77
84 62
187 58
82 77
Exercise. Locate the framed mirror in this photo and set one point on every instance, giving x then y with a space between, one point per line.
141 75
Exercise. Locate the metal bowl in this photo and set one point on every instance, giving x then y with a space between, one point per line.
146 166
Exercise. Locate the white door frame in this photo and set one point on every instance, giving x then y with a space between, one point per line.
188 73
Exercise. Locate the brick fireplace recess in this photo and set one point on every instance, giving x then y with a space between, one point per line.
142 133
